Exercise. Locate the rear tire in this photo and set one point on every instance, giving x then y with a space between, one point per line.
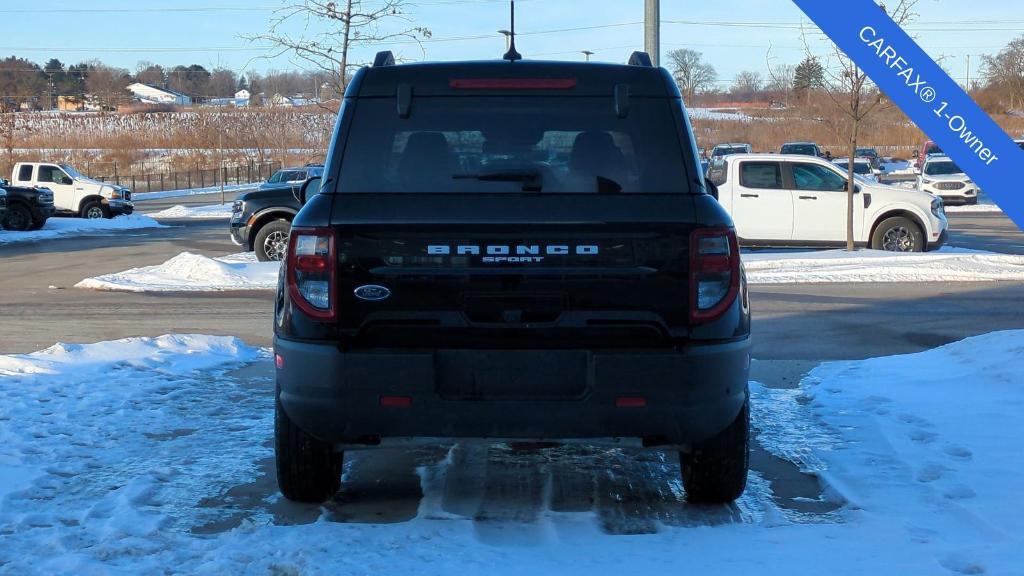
94 211
308 470
271 243
715 471
38 224
18 218
898 234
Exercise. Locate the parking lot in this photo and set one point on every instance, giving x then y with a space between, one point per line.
507 492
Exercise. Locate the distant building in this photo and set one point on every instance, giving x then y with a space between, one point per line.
70 103
148 94
241 100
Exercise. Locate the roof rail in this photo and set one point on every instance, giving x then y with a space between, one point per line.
641 59
384 58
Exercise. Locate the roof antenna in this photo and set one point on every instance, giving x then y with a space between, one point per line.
512 55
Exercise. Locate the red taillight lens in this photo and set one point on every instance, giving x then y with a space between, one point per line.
714 273
311 259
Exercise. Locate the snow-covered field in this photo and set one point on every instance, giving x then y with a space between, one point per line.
68 227
211 212
189 272
148 455
829 266
731 114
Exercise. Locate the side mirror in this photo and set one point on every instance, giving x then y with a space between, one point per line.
309 189
712 189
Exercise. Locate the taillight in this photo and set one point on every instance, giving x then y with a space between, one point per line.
311 260
714 273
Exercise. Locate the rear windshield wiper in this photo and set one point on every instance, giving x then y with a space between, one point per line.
531 179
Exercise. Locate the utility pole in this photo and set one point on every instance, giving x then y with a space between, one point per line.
652 30
968 74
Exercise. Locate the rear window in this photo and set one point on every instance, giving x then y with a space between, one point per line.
804 149
932 149
25 173
727 150
766 175
515 144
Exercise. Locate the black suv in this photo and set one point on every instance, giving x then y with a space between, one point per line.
512 251
260 220
27 208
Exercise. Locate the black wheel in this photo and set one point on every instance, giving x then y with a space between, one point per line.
715 471
898 234
271 244
18 219
308 470
38 224
94 211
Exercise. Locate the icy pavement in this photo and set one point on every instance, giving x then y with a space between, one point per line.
70 227
179 212
189 272
153 455
829 266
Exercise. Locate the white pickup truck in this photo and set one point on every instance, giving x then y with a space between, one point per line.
73 193
786 200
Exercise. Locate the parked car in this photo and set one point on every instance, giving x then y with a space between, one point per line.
802 149
3 207
27 208
74 193
292 178
861 167
784 200
728 149
929 149
941 177
261 220
872 155
527 251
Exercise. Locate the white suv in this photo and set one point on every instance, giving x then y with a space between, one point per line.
940 176
789 200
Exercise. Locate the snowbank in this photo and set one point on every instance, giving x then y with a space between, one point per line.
68 227
213 211
919 456
982 208
139 196
946 265
897 168
189 272
116 452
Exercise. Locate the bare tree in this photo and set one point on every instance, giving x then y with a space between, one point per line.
855 99
1006 71
106 84
691 72
342 26
223 83
780 82
747 84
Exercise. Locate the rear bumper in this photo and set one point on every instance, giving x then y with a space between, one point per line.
688 396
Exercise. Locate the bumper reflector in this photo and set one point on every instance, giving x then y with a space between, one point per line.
630 402
395 401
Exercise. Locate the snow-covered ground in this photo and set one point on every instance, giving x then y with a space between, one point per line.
67 227
718 114
897 167
189 272
139 196
829 266
982 207
148 455
210 212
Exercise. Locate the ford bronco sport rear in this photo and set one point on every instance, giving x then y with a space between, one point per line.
512 251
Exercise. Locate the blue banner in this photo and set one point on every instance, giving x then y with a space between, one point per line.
927 95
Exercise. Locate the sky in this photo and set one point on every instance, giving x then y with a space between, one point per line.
734 35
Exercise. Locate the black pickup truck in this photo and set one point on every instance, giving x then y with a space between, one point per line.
27 208
512 251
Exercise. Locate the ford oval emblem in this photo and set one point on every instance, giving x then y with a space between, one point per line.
372 292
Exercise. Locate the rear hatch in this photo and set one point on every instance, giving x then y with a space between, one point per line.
526 206
552 272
